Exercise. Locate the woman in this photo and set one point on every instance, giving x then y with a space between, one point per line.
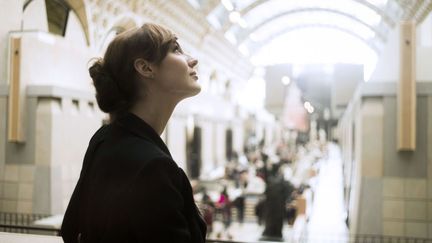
130 189
224 204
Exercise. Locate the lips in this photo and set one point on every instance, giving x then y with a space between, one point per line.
194 74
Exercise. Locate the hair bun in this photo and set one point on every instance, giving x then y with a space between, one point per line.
108 95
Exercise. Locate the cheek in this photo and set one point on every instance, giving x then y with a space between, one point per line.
174 70
177 70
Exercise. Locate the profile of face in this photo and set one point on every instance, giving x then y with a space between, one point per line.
174 77
176 74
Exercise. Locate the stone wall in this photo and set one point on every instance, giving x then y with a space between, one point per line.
394 188
40 174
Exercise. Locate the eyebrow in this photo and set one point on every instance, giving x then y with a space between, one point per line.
175 43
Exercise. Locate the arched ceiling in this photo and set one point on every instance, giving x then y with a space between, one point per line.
255 46
368 20
245 32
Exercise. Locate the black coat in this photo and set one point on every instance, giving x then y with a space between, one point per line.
131 190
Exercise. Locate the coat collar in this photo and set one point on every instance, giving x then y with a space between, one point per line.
139 127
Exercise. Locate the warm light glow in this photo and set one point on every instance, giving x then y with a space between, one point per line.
309 107
259 71
252 95
317 46
228 5
286 80
234 17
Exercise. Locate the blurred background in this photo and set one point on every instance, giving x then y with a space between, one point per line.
314 123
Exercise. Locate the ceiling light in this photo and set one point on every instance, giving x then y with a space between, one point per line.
286 80
234 16
309 107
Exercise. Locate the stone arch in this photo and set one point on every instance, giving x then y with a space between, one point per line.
79 8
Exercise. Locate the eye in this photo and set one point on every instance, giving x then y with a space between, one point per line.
177 48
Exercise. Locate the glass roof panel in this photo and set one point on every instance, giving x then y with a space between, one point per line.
311 18
316 45
275 7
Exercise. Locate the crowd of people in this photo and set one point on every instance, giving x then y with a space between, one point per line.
272 179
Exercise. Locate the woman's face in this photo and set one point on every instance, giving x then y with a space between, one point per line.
175 75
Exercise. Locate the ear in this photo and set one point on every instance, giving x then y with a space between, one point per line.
144 68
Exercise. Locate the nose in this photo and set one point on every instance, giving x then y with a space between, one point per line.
192 62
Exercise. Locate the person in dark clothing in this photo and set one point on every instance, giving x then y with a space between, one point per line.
278 191
240 201
259 210
130 188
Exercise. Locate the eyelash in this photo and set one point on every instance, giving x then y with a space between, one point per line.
177 48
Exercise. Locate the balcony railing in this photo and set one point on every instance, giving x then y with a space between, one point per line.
23 224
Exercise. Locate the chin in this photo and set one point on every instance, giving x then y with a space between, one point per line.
190 93
196 91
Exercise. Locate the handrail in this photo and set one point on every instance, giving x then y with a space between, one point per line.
32 227
358 238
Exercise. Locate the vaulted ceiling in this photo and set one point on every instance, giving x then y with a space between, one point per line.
252 23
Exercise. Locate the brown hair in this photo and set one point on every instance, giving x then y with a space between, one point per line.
115 77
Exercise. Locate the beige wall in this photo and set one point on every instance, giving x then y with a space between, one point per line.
391 190
41 174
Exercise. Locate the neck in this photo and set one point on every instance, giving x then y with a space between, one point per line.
155 112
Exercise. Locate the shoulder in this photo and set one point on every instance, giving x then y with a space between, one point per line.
159 180
121 145
133 148
100 134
